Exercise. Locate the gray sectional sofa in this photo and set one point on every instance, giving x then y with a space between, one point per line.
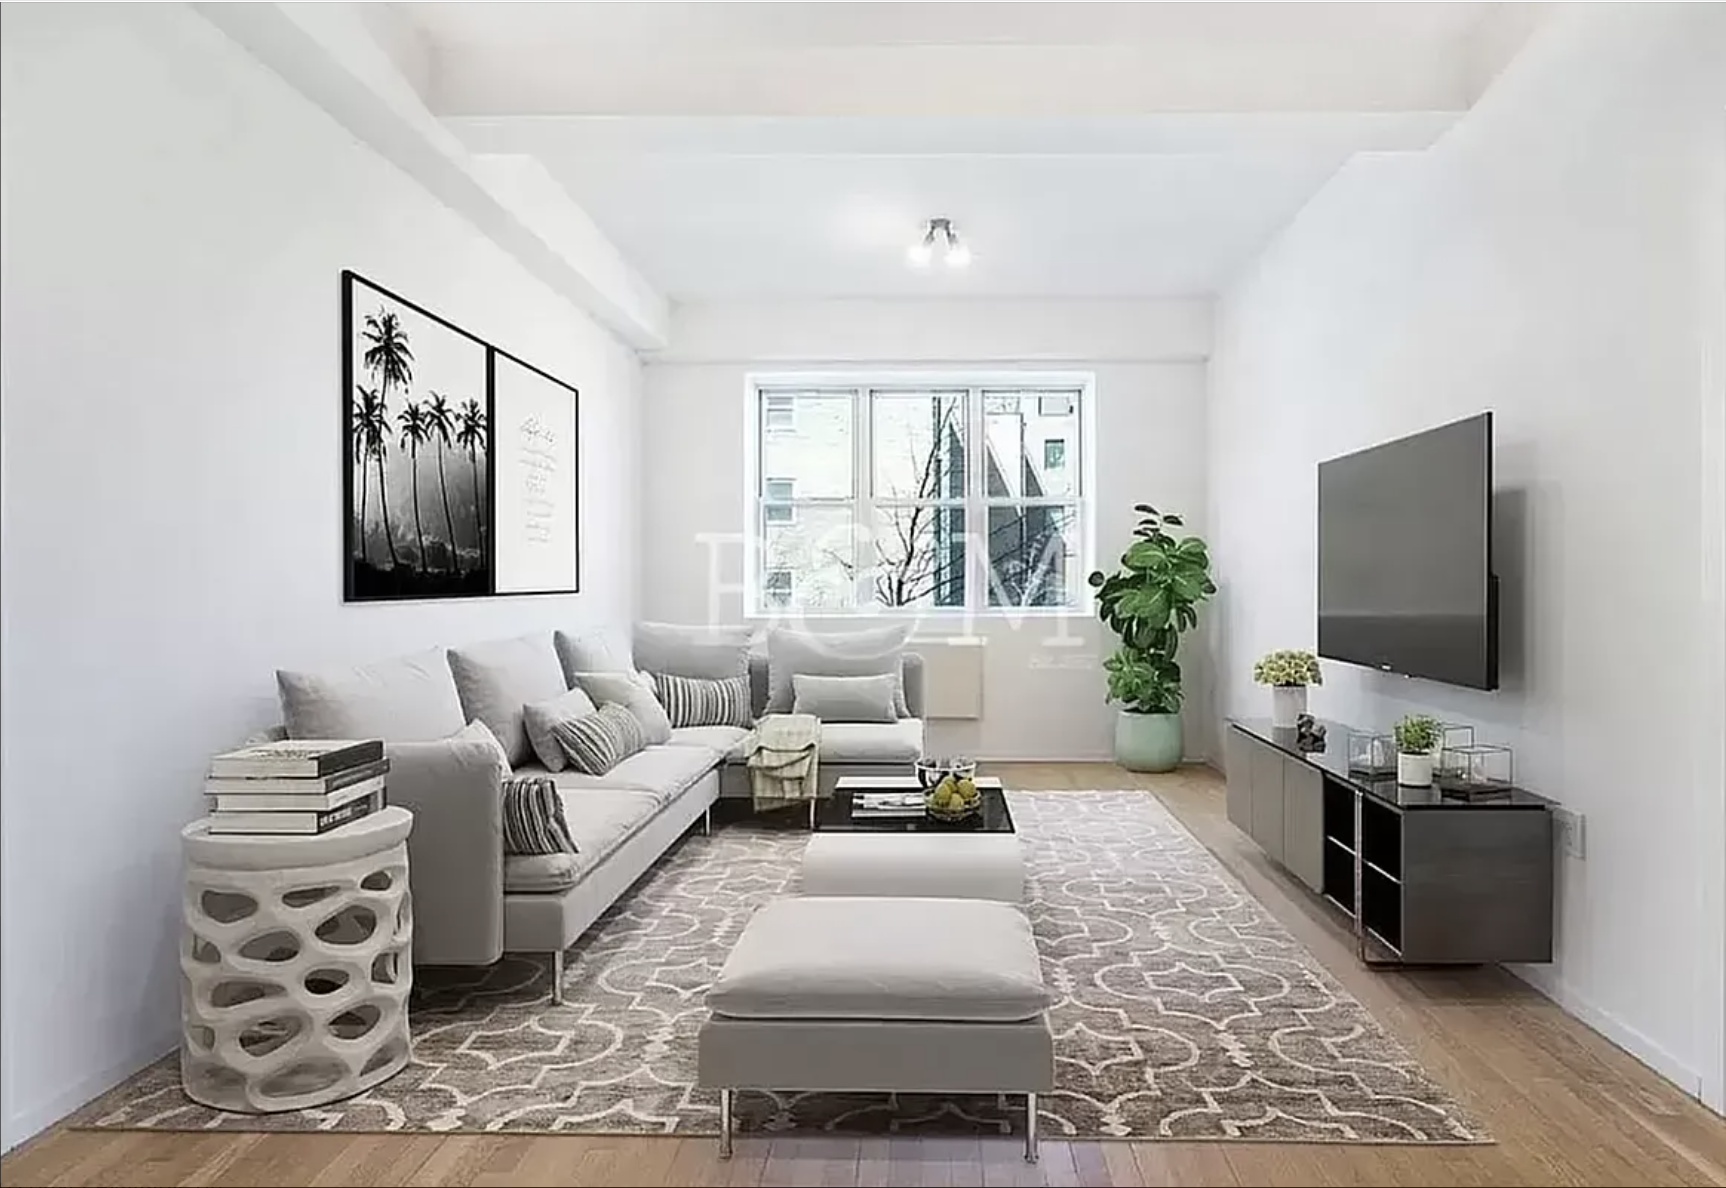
472 902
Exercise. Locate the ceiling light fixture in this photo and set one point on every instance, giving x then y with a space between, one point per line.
939 231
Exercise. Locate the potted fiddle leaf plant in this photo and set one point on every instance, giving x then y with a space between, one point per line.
1150 599
1416 740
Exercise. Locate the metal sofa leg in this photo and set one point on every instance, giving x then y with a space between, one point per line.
725 1124
812 801
707 821
1030 1128
557 978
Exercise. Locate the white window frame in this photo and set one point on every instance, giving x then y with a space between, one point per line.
859 385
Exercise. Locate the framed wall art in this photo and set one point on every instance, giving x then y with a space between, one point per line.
460 461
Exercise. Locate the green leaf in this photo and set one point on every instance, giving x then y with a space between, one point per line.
1096 579
1172 519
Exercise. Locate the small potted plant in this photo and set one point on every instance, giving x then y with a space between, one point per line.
1288 671
1416 740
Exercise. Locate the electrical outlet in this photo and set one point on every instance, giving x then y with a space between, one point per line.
1567 827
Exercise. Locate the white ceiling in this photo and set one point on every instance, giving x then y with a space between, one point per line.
1083 150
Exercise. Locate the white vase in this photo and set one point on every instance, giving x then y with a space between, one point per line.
1288 702
1414 770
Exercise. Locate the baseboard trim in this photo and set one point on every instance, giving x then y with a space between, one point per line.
1668 1064
27 1123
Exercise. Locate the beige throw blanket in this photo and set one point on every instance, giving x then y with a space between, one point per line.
784 760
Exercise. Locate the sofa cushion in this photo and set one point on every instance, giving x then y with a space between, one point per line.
598 650
872 742
633 691
495 679
846 698
861 957
404 699
600 820
710 653
848 653
541 717
539 874
700 701
661 772
728 741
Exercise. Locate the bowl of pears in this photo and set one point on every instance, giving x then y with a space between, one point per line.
949 788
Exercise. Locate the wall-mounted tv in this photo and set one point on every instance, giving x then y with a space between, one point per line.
1405 579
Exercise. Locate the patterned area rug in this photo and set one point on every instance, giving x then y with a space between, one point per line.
1184 1012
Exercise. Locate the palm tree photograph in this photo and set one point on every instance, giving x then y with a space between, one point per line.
418 445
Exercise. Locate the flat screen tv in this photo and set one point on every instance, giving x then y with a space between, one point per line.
1405 581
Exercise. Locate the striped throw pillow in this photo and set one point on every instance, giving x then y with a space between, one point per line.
533 821
597 742
694 701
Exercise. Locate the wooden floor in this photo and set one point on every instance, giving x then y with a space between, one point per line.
1565 1106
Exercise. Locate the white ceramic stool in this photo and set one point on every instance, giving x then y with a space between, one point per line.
297 955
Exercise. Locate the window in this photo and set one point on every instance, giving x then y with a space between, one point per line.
936 496
776 497
777 588
779 413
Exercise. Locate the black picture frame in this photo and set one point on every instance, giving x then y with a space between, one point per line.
389 558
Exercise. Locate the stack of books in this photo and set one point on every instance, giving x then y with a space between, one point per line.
297 786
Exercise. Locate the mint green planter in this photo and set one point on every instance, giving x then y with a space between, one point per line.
1147 742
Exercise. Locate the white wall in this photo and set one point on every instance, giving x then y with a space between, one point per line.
1043 684
1559 258
175 220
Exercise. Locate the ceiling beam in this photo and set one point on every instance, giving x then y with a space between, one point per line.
1023 81
331 54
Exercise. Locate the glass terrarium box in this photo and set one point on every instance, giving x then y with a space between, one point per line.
1371 754
1474 769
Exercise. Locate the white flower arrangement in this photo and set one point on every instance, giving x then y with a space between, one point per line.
1288 668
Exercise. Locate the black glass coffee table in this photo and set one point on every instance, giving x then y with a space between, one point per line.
844 811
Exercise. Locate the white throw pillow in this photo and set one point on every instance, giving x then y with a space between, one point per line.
846 698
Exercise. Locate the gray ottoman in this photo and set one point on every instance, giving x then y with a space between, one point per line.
867 994
938 865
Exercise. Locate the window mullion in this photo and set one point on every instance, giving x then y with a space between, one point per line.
862 496
976 512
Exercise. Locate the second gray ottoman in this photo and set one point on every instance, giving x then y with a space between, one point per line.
938 865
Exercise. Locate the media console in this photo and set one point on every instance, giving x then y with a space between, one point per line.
1425 877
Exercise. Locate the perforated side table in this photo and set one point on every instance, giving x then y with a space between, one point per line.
297 955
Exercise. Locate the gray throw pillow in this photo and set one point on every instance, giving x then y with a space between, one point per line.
634 691
541 719
709 653
691 701
600 741
875 652
478 731
404 699
498 677
845 698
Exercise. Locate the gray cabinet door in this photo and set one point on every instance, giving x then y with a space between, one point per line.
1303 824
1267 768
1238 767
